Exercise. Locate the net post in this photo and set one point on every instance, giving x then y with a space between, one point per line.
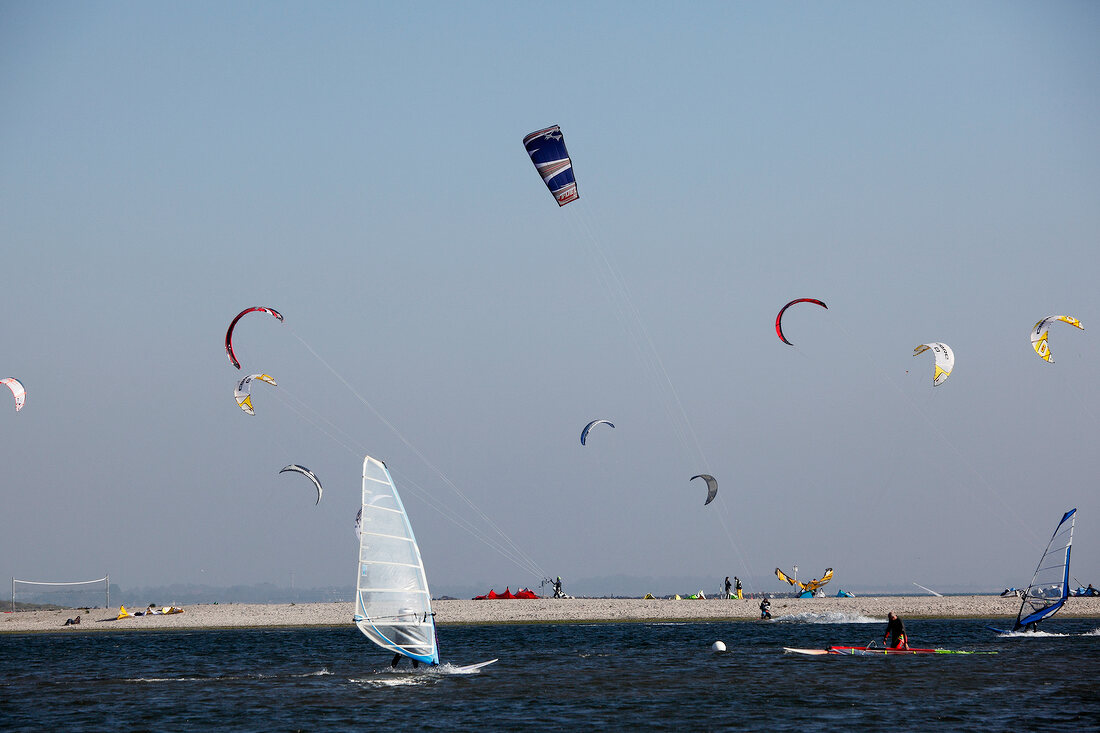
108 579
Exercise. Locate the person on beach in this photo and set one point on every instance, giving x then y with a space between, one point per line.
895 632
765 606
728 586
737 587
557 588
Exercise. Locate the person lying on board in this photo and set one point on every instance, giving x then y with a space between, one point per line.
895 633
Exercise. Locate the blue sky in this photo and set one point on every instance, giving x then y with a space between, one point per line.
929 170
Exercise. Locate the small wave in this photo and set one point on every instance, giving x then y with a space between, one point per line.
419 676
1094 632
1033 634
828 617
322 672
452 669
387 680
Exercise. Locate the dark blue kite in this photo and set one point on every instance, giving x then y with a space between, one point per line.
551 159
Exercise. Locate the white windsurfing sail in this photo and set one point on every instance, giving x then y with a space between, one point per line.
1050 585
393 606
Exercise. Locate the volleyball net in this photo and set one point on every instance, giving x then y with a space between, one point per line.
69 594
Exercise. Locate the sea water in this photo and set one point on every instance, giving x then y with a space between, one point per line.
555 676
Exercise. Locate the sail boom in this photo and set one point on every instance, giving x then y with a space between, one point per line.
387 536
386 509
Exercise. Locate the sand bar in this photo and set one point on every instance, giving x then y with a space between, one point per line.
579 610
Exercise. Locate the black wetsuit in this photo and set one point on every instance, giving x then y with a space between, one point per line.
397 658
895 630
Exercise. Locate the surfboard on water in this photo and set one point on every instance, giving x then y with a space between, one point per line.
873 651
474 667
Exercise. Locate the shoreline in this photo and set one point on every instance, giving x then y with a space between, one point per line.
541 611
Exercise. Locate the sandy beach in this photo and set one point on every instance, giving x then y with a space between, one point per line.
245 615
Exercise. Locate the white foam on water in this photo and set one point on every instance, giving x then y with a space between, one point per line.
322 672
387 681
423 675
448 669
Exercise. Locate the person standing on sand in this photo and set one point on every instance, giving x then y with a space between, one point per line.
895 632
737 582
728 586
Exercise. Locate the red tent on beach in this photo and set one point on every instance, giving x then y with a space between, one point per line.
492 595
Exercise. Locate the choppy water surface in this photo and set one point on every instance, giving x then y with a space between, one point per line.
569 676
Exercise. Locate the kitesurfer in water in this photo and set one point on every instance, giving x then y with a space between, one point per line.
895 632
728 586
765 605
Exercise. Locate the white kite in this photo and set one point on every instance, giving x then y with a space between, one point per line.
945 360
243 392
1039 335
17 391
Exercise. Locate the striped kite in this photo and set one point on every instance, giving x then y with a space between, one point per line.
551 159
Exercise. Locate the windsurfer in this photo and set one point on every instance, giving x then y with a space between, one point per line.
895 632
765 605
397 658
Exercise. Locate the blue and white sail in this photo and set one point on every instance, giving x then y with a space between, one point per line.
1050 585
393 606
552 161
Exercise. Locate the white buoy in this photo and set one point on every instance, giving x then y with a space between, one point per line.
718 646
